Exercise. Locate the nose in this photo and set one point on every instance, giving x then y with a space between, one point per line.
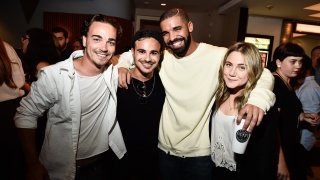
232 71
148 57
298 65
105 47
171 36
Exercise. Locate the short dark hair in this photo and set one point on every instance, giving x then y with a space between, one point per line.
307 64
284 50
58 29
315 48
104 19
175 12
148 34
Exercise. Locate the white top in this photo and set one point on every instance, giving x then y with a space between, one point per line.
221 140
7 93
94 94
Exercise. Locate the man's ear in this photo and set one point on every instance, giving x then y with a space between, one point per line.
190 26
278 63
84 41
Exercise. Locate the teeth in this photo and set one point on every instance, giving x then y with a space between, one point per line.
177 44
102 55
147 65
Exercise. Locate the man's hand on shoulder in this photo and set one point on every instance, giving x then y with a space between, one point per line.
124 77
253 115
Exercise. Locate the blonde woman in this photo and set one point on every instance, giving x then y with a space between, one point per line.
238 75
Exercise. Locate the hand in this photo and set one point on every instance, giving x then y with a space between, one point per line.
124 77
253 114
283 172
36 171
311 118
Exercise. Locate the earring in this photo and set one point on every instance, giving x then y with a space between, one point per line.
278 66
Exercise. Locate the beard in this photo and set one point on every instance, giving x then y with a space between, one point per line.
182 51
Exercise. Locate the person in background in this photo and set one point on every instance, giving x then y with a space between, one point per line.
80 96
189 73
77 44
238 75
286 65
38 47
139 108
308 92
62 37
315 57
12 81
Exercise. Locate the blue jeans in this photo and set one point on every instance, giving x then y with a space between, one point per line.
189 168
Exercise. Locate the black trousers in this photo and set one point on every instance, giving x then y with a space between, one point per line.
10 145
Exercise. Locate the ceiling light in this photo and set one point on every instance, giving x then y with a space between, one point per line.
307 28
317 15
163 4
295 35
269 6
315 7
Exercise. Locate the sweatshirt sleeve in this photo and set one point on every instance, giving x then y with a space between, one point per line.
262 95
125 60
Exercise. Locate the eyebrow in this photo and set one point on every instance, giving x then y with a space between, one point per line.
98 36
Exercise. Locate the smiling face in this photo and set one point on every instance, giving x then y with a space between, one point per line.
177 34
290 66
235 73
100 43
146 56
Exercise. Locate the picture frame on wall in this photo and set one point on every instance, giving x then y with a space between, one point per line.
264 43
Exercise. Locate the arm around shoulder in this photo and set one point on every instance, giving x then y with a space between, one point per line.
262 95
125 60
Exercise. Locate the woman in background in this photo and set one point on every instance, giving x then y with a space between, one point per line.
12 81
38 47
286 65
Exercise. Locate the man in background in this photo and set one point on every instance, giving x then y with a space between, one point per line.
315 57
62 38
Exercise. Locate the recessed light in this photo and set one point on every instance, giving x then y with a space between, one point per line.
315 7
269 6
163 4
317 15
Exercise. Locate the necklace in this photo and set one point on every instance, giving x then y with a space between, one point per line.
285 82
141 90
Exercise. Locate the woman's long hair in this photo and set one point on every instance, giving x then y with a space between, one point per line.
5 67
254 67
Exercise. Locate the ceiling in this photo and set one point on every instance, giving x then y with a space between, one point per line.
287 9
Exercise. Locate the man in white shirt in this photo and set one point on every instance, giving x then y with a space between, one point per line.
80 96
